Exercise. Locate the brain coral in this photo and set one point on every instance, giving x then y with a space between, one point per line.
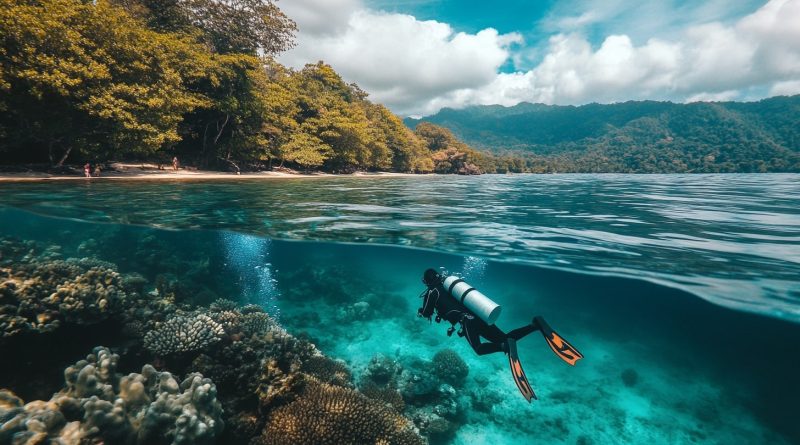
327 414
184 334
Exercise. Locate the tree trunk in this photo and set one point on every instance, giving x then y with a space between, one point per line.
50 150
204 154
64 158
222 128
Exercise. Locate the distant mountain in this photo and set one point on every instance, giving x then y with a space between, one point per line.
642 137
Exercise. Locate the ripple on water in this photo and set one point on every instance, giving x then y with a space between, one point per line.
731 239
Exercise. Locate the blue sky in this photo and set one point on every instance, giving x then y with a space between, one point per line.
522 16
418 56
473 15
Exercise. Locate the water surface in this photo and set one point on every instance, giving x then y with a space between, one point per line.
731 239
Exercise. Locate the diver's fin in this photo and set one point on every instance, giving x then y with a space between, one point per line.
516 370
563 350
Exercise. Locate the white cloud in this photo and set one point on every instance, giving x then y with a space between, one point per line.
714 97
418 67
320 18
403 61
788 88
639 20
709 61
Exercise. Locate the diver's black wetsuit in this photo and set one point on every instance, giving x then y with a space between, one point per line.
436 298
440 300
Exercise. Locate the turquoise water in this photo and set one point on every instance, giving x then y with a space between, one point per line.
681 291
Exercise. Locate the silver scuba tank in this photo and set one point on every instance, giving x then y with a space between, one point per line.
486 309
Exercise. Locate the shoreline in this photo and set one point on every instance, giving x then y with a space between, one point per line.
138 172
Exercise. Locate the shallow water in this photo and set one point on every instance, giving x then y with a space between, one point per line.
615 263
731 239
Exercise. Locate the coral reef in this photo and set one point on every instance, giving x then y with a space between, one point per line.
100 406
421 390
310 400
41 295
248 381
230 320
382 371
222 304
441 415
450 368
254 323
184 334
388 396
327 370
357 311
329 414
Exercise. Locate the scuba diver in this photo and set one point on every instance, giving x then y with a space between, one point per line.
457 302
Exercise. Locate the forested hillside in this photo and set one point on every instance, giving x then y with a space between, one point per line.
644 137
149 79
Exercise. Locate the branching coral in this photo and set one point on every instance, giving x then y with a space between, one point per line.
231 320
388 396
184 334
222 304
279 385
327 370
255 323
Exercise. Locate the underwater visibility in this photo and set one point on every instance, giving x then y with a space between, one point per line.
288 311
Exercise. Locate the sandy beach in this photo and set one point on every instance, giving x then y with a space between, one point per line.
151 172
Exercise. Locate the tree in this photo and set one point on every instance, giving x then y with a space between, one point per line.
80 76
435 137
227 26
449 155
305 150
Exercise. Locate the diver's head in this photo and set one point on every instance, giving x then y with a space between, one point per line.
431 278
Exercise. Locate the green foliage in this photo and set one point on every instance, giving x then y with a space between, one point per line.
87 76
153 78
450 155
305 150
329 124
230 26
637 137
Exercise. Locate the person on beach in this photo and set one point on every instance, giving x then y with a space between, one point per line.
175 163
97 170
452 308
87 170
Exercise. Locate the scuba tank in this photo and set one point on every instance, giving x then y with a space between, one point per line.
479 304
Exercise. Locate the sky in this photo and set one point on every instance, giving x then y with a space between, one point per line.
418 56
